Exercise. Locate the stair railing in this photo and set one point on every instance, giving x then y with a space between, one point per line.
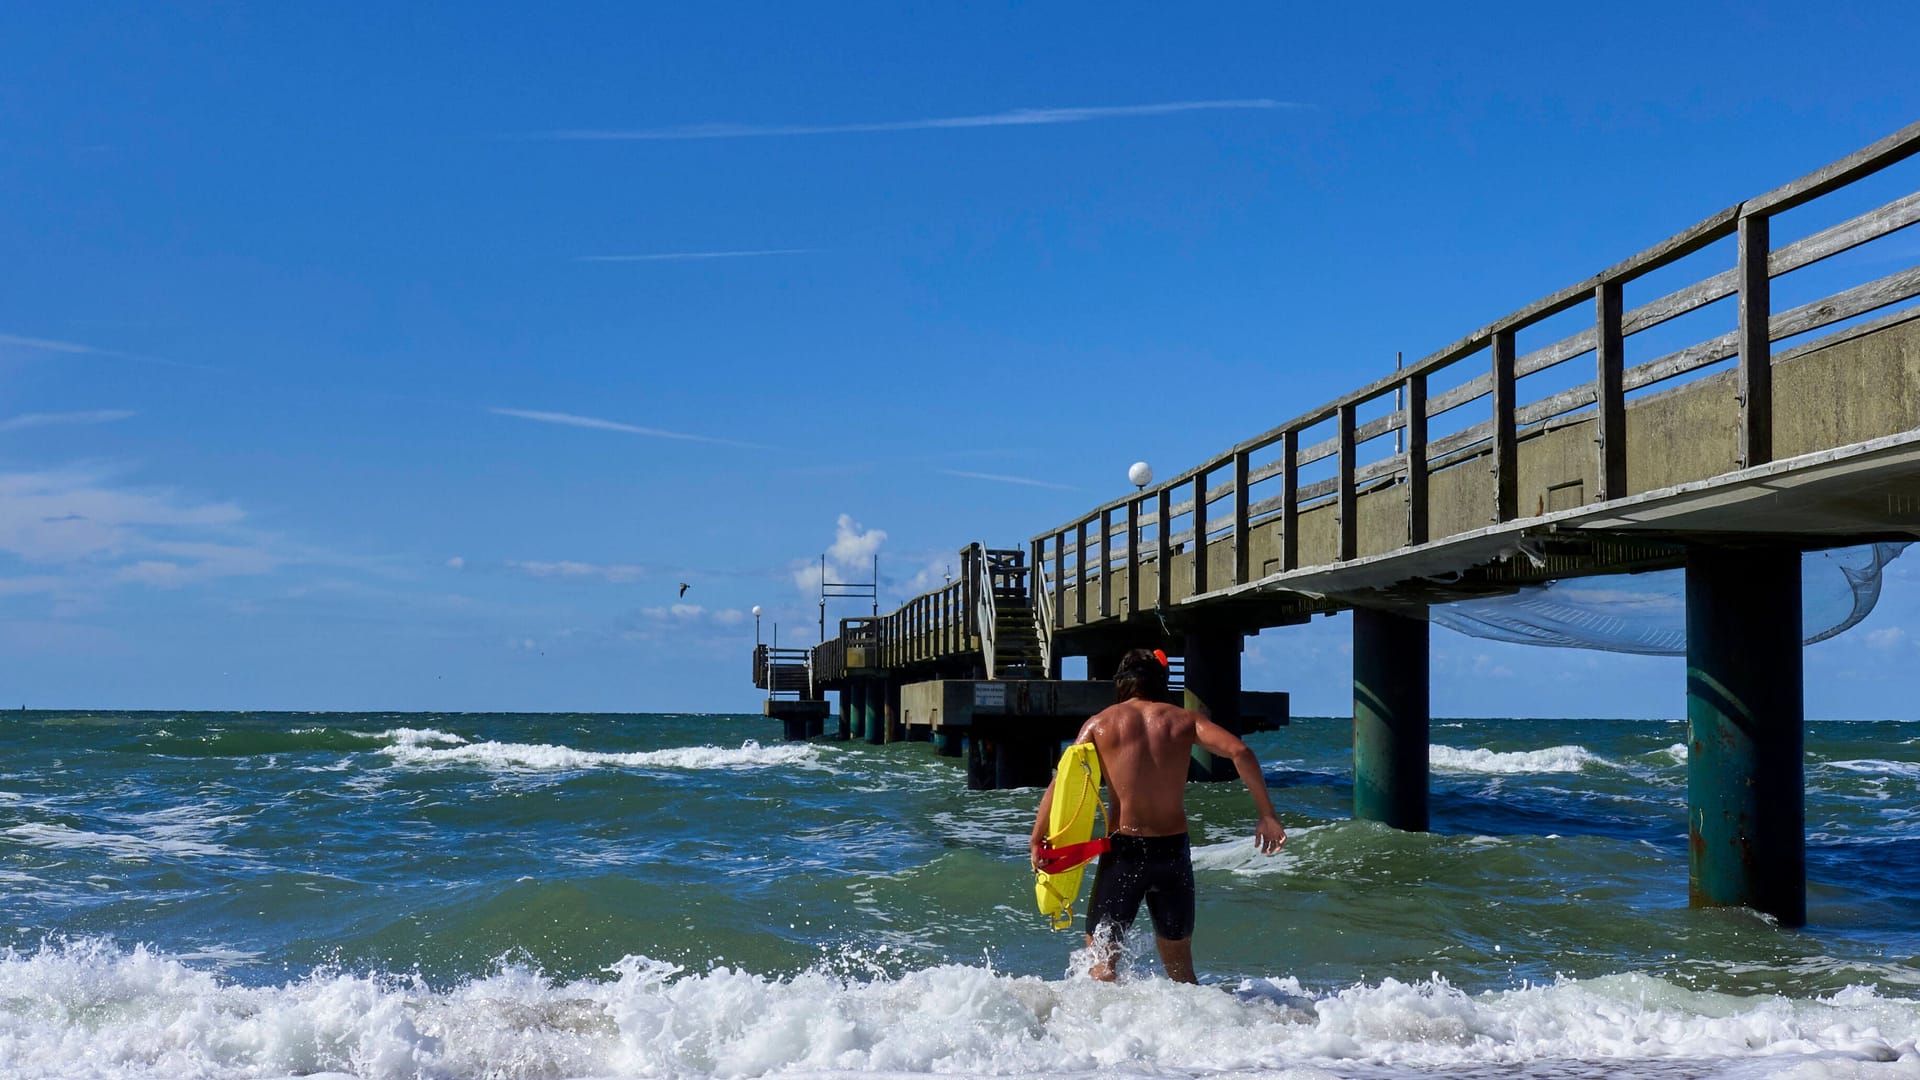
1043 615
983 604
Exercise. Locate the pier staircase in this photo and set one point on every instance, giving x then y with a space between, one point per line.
1010 630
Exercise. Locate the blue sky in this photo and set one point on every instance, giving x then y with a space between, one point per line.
409 358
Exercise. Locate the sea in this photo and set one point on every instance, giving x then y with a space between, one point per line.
212 895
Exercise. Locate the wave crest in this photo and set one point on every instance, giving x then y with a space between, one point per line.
88 1009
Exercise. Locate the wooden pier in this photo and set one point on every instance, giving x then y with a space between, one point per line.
1478 470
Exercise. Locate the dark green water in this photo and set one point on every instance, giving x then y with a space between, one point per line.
218 894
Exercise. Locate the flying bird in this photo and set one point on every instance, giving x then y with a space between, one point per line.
683 588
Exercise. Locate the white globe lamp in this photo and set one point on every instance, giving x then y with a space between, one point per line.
1140 474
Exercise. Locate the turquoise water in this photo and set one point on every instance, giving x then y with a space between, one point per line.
229 895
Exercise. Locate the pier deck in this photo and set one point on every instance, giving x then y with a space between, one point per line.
1484 468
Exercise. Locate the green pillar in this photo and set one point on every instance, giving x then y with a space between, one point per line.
1213 690
873 710
850 710
1390 719
1746 810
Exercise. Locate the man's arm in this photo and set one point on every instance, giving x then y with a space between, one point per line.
1267 834
1039 836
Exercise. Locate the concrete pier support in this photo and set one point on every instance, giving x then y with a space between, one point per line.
1101 666
1022 763
895 722
979 764
1390 719
856 724
947 743
873 710
1746 810
1213 689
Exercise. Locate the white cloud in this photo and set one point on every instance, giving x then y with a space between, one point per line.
848 559
1010 118
69 515
456 563
690 256
618 574
597 424
35 420
729 616
1002 479
687 611
71 348
1886 638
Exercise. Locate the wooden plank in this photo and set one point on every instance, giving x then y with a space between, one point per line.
1327 448
1162 543
1200 533
1241 551
1609 391
1415 460
1348 514
1755 344
1472 390
1290 500
1505 459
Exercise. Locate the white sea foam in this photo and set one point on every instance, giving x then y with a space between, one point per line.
1878 767
87 1009
1552 759
542 757
169 841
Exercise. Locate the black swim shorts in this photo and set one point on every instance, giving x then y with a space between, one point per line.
1157 869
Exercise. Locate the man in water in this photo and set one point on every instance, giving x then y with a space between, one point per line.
1144 745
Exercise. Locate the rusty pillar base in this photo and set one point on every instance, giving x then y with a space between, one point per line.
1746 809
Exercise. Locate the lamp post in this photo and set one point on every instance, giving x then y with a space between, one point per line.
756 624
1140 474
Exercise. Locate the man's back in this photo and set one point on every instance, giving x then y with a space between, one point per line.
1145 747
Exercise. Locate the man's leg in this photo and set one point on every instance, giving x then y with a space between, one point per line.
1177 958
1106 950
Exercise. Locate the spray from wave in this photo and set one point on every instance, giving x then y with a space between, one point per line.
89 1009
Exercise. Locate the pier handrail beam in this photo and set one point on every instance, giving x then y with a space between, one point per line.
1749 343
982 574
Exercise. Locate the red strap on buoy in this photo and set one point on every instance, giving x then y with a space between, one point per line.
1054 860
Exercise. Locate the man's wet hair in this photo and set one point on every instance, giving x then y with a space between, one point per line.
1140 675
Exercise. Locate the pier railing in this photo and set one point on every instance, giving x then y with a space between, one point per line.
1309 491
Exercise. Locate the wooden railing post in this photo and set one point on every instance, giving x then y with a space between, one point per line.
1290 500
1415 421
1199 533
1756 345
1610 399
1242 553
1060 578
1080 574
1506 487
1106 563
1035 579
1348 516
1163 551
1133 555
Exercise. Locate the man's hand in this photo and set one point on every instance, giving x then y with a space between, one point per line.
1268 836
1033 852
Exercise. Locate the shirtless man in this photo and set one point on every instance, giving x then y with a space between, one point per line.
1144 746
